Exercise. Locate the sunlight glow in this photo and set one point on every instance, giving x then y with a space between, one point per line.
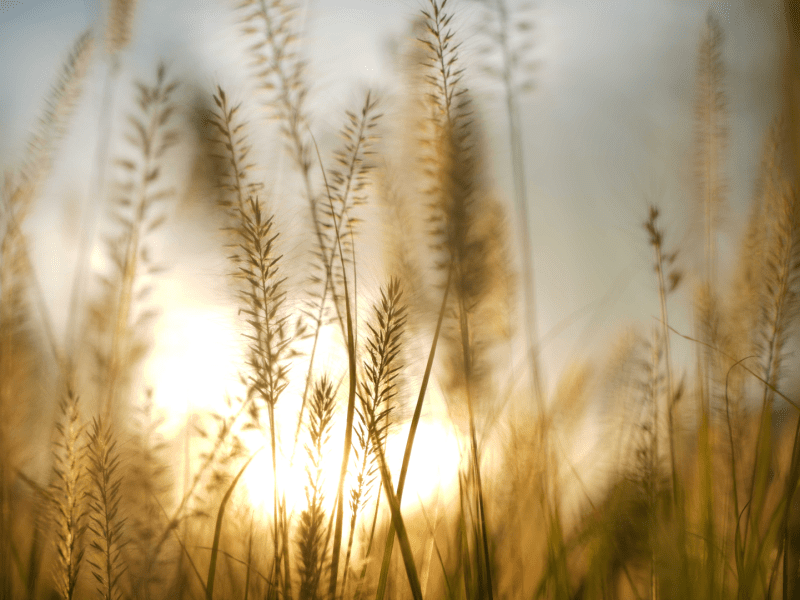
192 365
192 369
432 471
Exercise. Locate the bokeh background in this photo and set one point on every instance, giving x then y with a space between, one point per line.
607 129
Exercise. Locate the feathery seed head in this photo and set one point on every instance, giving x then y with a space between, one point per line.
120 24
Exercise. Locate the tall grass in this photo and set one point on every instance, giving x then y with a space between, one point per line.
700 500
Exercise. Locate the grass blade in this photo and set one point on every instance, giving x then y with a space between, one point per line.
212 565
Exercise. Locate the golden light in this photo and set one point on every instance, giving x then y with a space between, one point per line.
432 470
192 369
192 364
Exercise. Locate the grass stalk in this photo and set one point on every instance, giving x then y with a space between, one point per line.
397 518
656 241
138 215
351 404
509 74
212 564
313 539
378 389
105 522
412 431
67 496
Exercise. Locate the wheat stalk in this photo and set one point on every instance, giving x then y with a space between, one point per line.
118 28
711 139
347 181
351 401
452 163
231 152
459 218
19 287
280 73
54 122
344 189
269 352
667 282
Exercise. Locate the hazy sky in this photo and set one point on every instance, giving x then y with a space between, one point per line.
608 125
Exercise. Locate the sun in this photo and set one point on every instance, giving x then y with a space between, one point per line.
433 470
193 367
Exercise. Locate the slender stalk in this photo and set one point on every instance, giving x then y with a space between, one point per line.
89 224
212 565
351 405
523 213
656 240
412 431
652 487
275 530
466 354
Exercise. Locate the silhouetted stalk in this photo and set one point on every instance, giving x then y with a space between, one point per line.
212 565
397 518
345 187
287 565
118 36
67 496
656 240
105 522
465 347
351 405
521 201
96 194
312 542
309 372
652 472
151 138
290 93
780 305
275 530
295 118
368 550
711 137
737 542
791 87
662 297
711 134
387 552
354 168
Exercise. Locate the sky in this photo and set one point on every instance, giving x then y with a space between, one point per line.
607 129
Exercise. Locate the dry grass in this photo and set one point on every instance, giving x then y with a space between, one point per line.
699 500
